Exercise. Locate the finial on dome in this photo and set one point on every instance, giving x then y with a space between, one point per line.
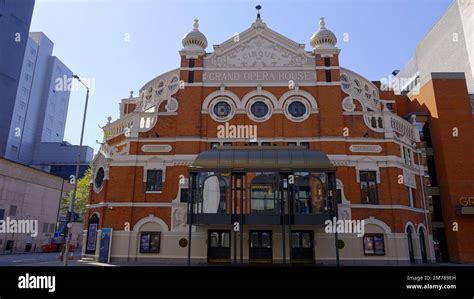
324 38
322 24
195 40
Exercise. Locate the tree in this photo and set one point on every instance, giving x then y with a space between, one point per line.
82 196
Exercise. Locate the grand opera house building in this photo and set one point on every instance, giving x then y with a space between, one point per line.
243 154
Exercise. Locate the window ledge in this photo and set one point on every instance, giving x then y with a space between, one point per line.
153 192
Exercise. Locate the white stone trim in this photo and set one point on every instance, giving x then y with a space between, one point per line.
259 93
267 102
154 163
158 148
150 218
366 164
297 92
409 223
420 226
374 221
130 204
215 101
365 148
388 207
301 100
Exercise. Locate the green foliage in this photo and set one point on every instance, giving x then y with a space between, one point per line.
82 196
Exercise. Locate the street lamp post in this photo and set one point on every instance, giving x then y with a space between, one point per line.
78 162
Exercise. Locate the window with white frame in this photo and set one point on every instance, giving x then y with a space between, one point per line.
154 179
407 156
368 187
411 197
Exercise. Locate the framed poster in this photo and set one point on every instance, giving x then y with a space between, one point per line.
105 244
379 246
91 237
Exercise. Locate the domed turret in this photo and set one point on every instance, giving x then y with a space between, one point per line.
324 38
195 40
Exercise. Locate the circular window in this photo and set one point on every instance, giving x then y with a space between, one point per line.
259 109
297 109
222 109
99 179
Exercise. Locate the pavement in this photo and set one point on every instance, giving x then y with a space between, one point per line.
52 260
38 259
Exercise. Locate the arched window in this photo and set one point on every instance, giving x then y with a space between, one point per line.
373 122
424 255
411 250
214 194
380 122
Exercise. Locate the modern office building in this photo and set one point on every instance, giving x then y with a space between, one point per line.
15 19
439 83
40 109
39 116
244 154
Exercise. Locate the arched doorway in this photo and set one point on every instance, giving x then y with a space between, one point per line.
411 250
92 234
424 256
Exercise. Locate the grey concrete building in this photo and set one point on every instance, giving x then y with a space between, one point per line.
27 193
447 47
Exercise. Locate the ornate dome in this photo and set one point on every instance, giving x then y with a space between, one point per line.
324 37
195 39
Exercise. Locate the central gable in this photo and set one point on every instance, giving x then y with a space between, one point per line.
261 48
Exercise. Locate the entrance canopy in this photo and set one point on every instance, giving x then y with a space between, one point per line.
271 158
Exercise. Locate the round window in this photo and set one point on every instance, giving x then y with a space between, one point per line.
297 109
222 109
99 178
259 109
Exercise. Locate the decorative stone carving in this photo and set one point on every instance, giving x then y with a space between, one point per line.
172 105
259 52
365 148
160 89
348 104
409 179
158 148
359 88
179 218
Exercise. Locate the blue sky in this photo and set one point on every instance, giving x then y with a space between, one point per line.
122 44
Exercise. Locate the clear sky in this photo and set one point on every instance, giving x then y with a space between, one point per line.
122 44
